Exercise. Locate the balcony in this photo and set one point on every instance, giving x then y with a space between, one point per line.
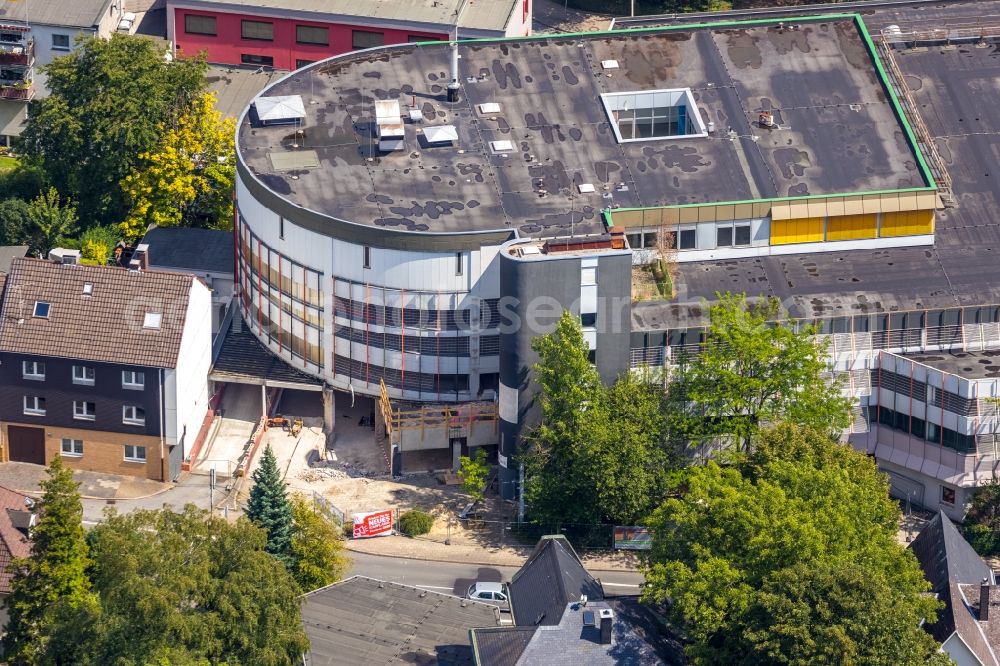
17 54
20 91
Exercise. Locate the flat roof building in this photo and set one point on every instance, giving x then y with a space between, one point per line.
772 157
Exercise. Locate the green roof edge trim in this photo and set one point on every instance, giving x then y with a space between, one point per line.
900 114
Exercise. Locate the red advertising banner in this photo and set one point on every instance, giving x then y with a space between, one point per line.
376 523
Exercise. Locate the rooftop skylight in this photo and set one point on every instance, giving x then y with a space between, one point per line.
652 115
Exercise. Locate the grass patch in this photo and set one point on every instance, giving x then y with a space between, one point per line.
8 163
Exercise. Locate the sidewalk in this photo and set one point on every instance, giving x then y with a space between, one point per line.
422 548
26 477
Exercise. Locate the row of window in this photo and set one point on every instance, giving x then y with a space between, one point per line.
83 410
73 448
307 35
444 346
422 318
931 395
83 375
727 234
401 379
922 429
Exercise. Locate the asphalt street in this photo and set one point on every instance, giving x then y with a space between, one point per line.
456 577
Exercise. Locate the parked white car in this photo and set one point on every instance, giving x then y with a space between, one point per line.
489 592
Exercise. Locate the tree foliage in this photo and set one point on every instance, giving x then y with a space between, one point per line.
97 244
182 588
269 508
473 471
55 571
189 177
48 221
599 453
753 369
732 551
13 222
109 103
982 522
317 547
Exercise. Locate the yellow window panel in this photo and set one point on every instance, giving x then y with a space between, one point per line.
908 223
850 227
802 230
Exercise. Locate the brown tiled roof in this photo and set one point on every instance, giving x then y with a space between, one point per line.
12 540
104 326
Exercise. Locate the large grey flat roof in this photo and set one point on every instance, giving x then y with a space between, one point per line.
962 268
970 365
839 134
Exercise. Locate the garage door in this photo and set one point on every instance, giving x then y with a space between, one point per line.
26 444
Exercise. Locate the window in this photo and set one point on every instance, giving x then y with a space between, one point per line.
588 320
281 228
60 42
368 257
299 64
34 405
649 239
724 236
10 36
688 239
132 379
41 309
364 39
742 232
947 495
72 447
152 320
310 34
132 415
259 30
135 453
88 289
33 370
84 411
458 263
253 59
83 374
592 356
199 25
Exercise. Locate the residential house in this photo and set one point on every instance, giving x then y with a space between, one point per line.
295 33
968 627
104 366
366 621
33 33
563 617
16 520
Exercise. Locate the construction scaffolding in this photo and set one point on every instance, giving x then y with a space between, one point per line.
413 427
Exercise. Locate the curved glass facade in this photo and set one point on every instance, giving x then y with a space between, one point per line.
281 299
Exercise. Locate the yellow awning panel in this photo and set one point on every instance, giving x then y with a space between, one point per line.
850 227
908 223
802 230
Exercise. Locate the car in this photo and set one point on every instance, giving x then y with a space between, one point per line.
493 593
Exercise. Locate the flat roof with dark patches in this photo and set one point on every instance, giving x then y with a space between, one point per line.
962 114
970 365
838 132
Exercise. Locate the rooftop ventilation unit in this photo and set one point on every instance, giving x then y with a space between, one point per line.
502 146
607 618
279 110
389 120
609 64
489 107
441 134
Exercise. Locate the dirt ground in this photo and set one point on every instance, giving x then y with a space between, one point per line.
551 16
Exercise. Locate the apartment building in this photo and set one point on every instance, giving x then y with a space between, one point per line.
33 33
106 367
299 32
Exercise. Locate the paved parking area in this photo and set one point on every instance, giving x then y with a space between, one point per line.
26 478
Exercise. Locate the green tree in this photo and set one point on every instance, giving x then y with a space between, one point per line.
97 244
555 487
55 571
317 548
754 368
473 471
982 523
13 222
48 221
725 549
182 588
269 508
110 102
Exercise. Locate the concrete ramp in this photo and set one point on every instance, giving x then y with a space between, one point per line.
241 411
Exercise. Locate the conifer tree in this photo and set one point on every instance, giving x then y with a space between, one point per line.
269 507
55 571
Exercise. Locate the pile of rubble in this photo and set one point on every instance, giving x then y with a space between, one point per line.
328 469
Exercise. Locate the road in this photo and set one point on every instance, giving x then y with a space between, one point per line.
456 577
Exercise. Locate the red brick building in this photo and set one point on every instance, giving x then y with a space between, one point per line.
255 33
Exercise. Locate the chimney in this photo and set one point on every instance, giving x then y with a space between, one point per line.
140 258
607 618
984 600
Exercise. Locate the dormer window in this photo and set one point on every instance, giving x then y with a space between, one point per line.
152 320
41 309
